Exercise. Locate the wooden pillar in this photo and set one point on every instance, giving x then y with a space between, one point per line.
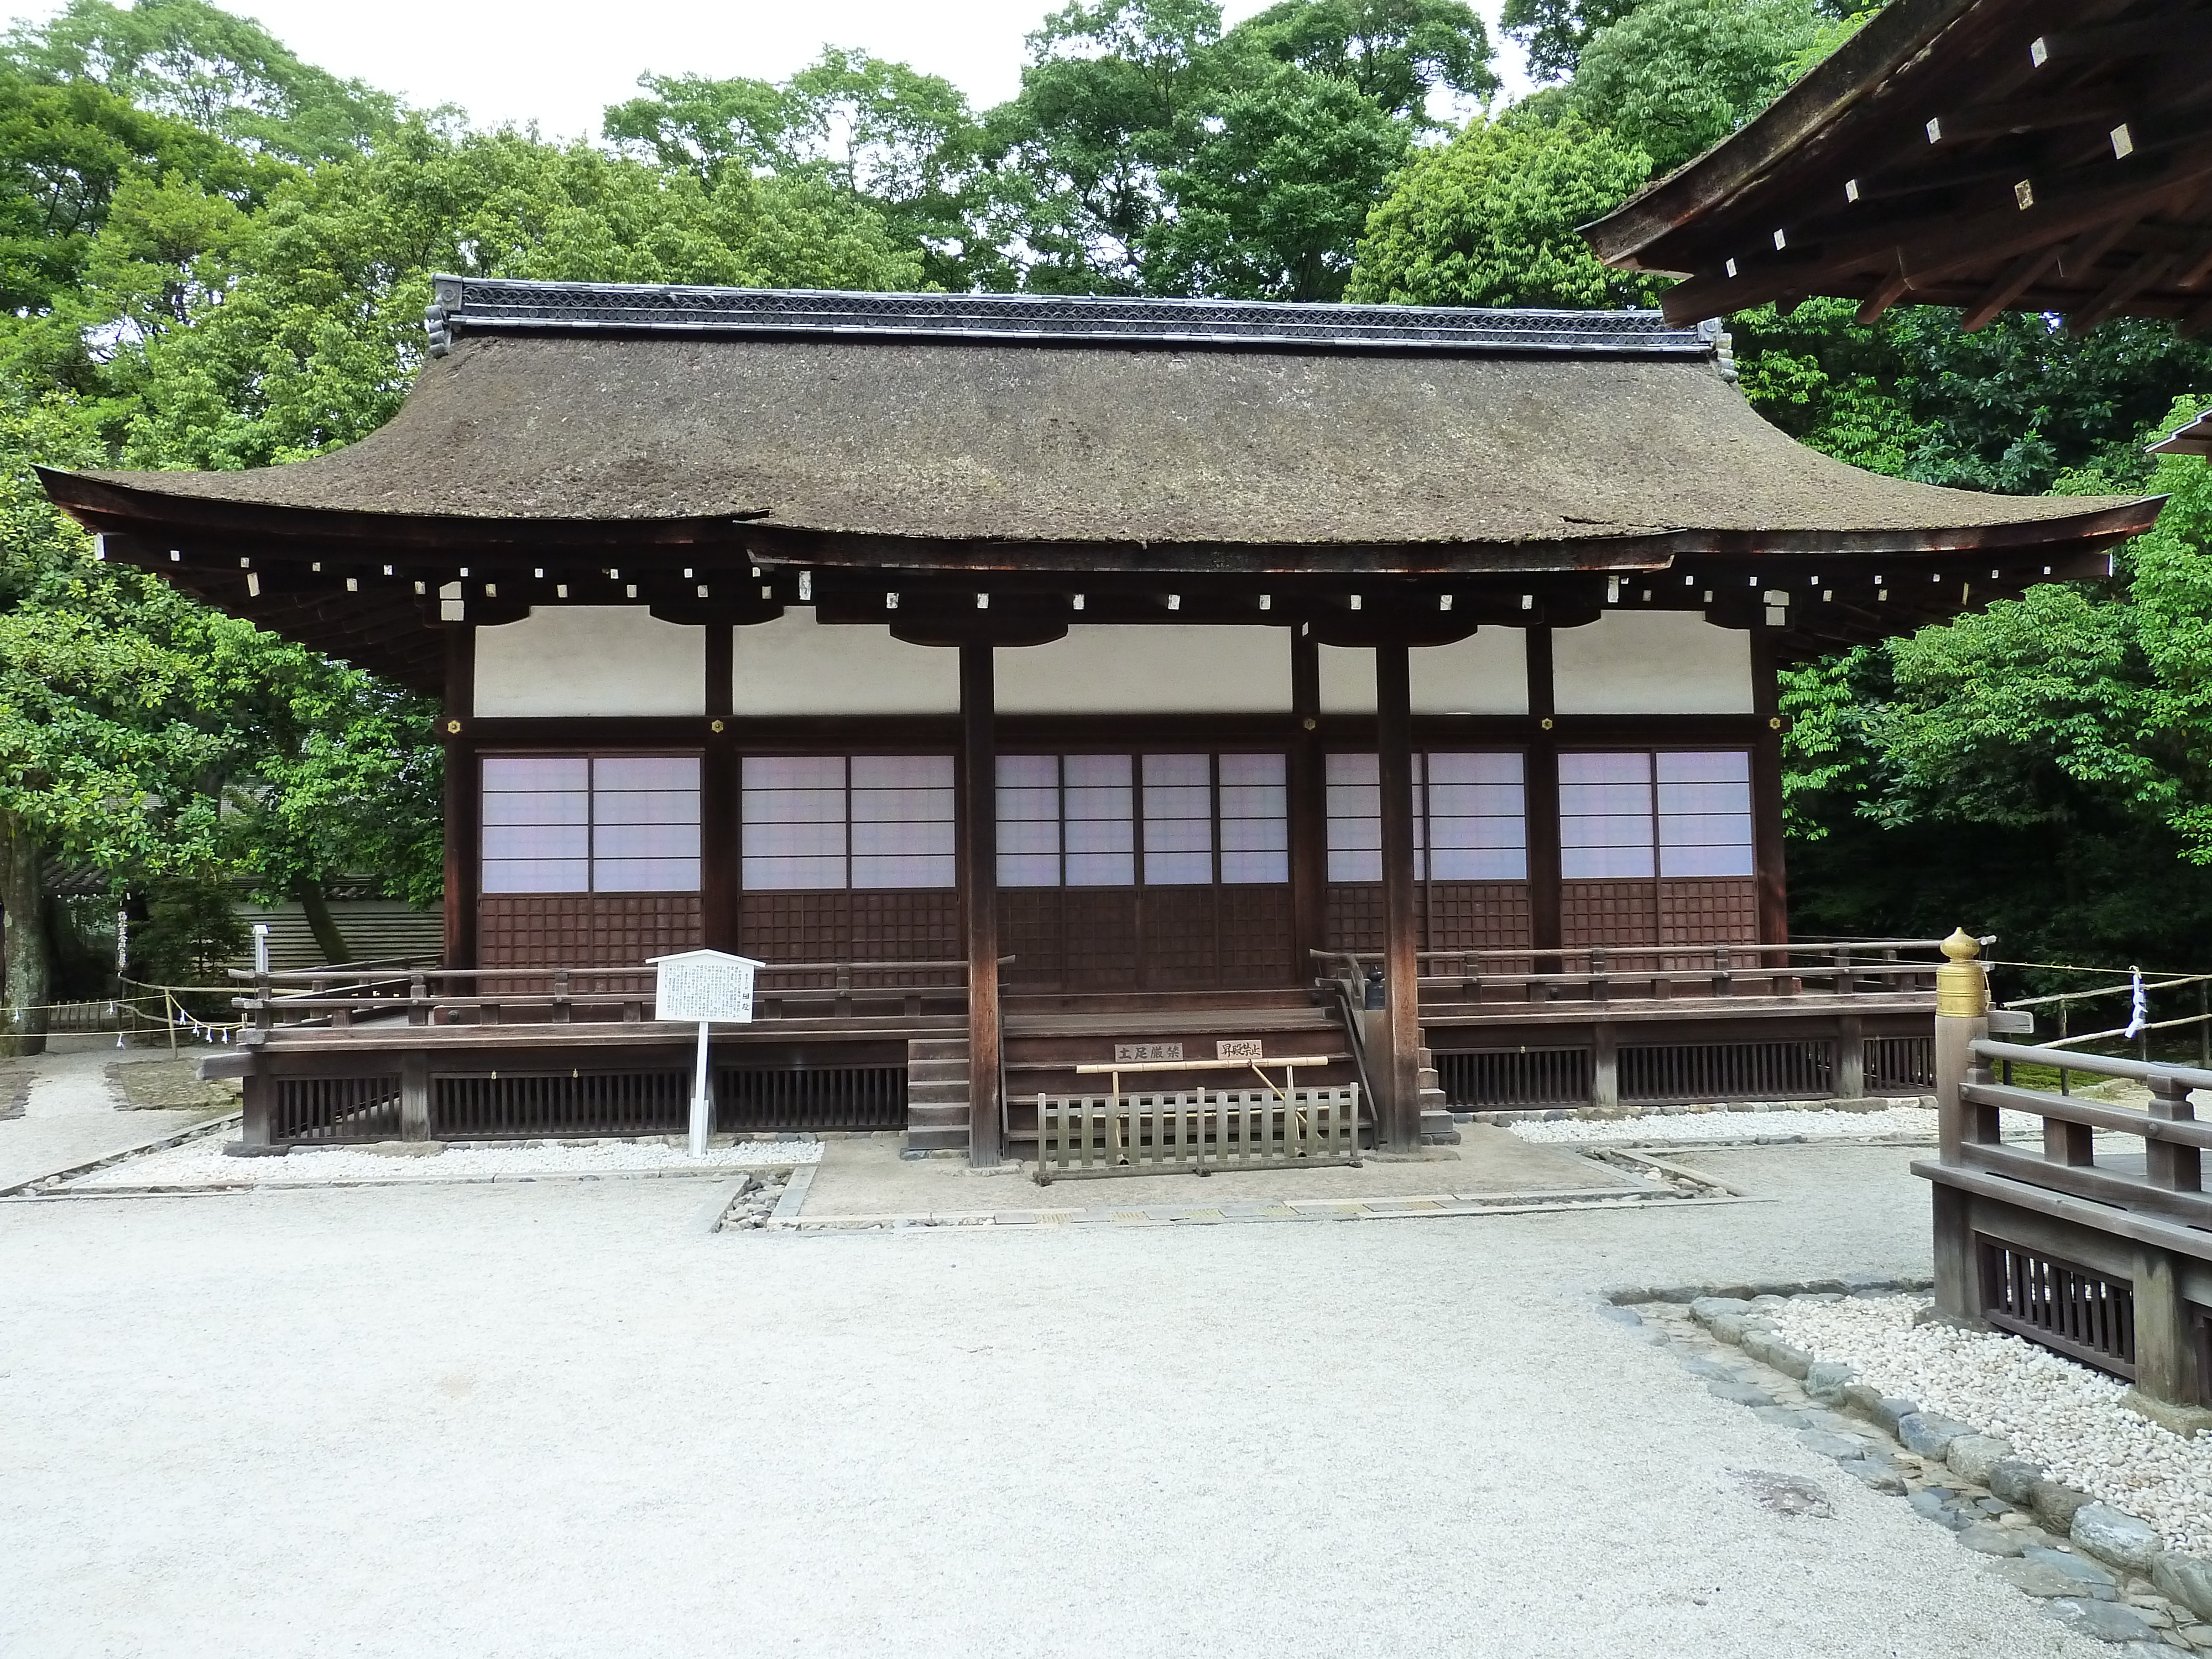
1850 1057
256 1092
1309 809
1542 781
1395 1071
1605 1068
415 1096
1766 795
718 798
456 730
979 880
2165 1343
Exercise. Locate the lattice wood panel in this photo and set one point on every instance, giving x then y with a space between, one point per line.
584 930
1477 915
534 931
1353 915
906 924
628 927
1029 931
1257 939
1177 938
1099 938
1609 913
1722 910
796 926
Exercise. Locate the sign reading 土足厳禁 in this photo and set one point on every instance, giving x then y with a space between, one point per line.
704 986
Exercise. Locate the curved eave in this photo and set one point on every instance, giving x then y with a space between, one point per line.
209 523
1827 96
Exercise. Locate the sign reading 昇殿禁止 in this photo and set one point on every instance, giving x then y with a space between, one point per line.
1239 1048
704 986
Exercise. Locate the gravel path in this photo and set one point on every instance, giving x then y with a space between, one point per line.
559 1420
2054 1413
203 1164
1892 1123
71 1117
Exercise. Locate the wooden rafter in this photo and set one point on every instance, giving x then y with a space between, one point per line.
1945 156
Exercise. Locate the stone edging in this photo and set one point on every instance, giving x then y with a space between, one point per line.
2102 1572
1506 1119
173 1137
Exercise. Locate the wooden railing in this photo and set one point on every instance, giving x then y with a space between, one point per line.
338 998
1601 974
2067 1242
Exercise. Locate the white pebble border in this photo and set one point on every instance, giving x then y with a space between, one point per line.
1893 1122
2063 1416
201 1163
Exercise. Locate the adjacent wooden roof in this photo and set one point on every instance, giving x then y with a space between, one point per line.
2045 155
693 449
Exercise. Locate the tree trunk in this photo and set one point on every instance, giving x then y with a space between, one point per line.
321 923
23 940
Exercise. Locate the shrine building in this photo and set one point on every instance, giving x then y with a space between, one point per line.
1031 680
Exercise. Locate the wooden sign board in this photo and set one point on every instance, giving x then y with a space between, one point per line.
704 986
2012 1022
1238 1048
1140 1052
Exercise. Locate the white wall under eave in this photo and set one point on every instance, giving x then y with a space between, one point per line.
797 665
1651 662
590 660
1486 673
1155 669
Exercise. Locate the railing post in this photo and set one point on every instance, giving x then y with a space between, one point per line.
2203 1026
418 1000
1962 1019
2168 1373
564 1012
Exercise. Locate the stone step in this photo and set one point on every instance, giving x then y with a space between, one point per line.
937 1048
937 1071
923 1139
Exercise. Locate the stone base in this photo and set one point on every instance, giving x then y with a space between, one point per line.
2187 1421
240 1149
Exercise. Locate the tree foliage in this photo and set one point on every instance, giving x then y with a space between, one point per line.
1489 220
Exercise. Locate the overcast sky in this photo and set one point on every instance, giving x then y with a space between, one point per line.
561 62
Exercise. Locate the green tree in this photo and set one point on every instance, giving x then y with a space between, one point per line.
1679 75
221 74
1554 32
1489 220
1393 52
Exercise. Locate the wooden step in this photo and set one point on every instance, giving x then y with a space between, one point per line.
937 1094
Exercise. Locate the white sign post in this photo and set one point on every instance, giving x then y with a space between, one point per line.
706 986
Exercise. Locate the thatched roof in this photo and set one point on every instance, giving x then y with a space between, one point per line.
1401 426
1382 472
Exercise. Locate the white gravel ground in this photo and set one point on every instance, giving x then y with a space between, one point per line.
1918 1121
203 1163
2054 1413
559 1421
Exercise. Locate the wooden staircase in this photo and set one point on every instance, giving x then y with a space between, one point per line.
937 1094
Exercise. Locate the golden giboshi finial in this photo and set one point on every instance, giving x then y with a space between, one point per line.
1962 988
